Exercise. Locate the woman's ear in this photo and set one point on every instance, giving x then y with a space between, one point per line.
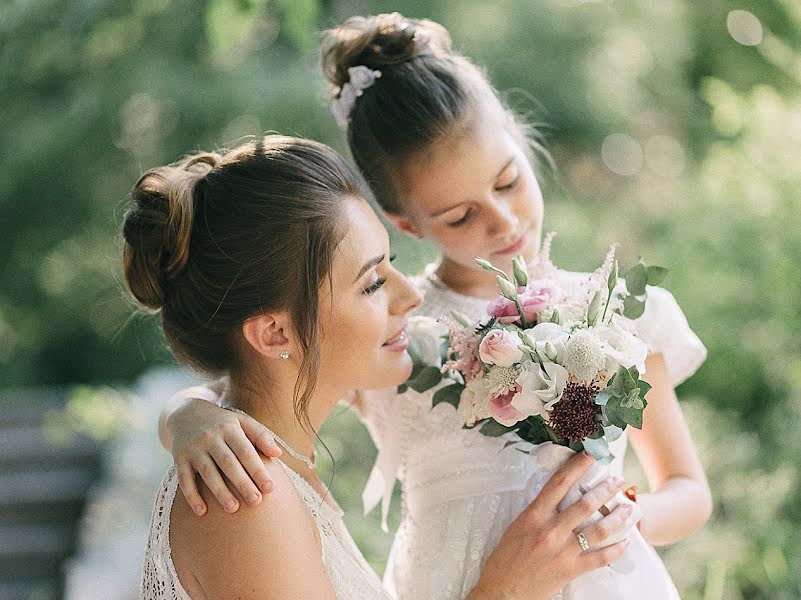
403 224
266 335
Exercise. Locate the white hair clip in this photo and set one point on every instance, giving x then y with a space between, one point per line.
359 79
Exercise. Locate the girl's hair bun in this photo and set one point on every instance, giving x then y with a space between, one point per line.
379 41
158 227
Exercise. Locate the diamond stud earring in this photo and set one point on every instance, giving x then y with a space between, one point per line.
283 355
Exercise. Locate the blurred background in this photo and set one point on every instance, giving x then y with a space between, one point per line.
675 128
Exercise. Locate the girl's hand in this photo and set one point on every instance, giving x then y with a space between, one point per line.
540 552
215 442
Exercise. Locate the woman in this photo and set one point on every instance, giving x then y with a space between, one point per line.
267 265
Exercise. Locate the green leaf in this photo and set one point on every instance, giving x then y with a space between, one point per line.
633 308
494 429
402 388
602 397
427 378
598 448
449 393
644 386
460 318
631 399
656 275
636 279
555 318
300 20
611 433
621 416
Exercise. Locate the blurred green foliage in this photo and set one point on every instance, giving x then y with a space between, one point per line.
675 128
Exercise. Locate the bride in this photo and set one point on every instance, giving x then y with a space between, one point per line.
295 322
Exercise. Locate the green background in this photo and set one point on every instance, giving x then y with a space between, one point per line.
675 128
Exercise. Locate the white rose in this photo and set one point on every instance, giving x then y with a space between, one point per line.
621 348
427 335
545 333
539 389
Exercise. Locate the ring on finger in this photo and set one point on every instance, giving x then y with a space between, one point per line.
582 540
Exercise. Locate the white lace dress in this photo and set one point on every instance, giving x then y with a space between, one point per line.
462 489
350 575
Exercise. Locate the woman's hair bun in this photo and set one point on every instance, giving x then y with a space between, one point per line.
158 227
379 41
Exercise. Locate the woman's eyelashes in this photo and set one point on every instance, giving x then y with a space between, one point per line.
510 185
375 286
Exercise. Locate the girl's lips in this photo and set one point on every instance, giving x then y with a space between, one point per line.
398 343
515 247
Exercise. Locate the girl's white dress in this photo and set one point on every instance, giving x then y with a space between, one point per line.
462 489
350 575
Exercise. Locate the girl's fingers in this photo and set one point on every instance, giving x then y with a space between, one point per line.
584 507
599 531
561 481
260 437
228 462
251 462
186 481
207 469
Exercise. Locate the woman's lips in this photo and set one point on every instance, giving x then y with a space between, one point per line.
397 343
515 248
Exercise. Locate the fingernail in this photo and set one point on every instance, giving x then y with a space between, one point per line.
230 505
198 509
254 498
267 486
275 447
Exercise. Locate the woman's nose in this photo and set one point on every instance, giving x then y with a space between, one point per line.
407 297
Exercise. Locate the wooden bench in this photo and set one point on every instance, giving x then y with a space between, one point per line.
43 490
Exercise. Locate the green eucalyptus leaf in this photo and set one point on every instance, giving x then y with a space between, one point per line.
611 433
598 448
644 386
656 275
427 378
494 429
602 397
449 393
633 307
637 279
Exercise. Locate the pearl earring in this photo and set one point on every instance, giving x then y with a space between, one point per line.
283 355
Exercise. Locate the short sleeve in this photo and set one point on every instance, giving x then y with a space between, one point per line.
664 328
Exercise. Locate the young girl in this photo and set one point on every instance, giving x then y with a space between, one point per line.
448 161
294 322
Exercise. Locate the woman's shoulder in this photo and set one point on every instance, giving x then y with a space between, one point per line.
266 546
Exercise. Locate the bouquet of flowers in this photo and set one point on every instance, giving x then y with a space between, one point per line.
548 365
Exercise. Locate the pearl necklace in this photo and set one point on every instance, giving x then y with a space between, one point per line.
309 462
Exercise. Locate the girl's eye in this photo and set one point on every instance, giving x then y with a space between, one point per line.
392 257
374 287
510 185
461 221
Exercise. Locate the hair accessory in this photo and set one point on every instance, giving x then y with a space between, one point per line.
360 78
283 355
582 540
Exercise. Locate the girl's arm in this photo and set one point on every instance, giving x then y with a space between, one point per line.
679 502
213 442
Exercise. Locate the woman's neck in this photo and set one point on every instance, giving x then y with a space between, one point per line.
472 282
272 405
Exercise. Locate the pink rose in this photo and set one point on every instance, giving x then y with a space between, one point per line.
502 410
533 298
500 347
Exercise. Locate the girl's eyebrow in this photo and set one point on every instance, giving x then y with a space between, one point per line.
458 204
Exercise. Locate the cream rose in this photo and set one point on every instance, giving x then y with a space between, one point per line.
500 347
